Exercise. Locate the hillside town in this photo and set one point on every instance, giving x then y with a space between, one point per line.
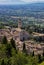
21 36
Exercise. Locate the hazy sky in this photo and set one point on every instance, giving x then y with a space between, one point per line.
18 1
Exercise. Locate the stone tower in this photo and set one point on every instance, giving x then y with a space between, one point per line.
19 23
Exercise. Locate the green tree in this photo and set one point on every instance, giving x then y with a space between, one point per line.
4 40
21 59
24 48
39 58
9 62
8 50
13 43
3 63
43 53
33 61
33 53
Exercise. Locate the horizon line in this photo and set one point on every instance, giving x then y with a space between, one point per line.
20 3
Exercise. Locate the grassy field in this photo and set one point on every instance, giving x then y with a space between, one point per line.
42 63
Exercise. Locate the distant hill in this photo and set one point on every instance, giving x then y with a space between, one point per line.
36 6
32 6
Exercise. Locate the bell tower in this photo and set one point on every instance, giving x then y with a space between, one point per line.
19 23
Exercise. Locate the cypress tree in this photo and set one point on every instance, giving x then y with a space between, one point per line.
43 55
4 40
39 58
24 48
8 50
33 53
3 63
13 43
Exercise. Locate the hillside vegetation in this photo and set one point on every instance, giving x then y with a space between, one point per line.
42 63
10 55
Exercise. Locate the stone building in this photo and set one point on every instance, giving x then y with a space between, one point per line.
19 33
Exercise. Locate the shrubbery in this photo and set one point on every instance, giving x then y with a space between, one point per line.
8 55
